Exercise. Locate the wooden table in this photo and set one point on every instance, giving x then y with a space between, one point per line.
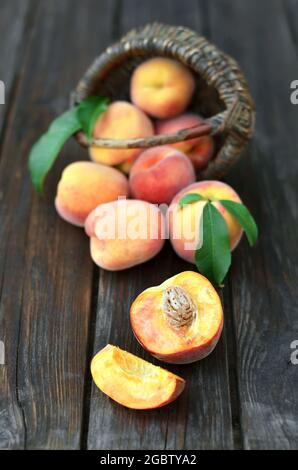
57 308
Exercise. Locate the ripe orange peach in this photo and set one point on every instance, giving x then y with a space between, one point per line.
126 166
85 185
162 87
185 223
179 321
121 120
124 233
159 173
199 150
133 382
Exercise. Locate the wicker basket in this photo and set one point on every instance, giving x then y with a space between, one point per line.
221 97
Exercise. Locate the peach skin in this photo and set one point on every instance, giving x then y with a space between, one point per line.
121 120
185 223
124 233
85 185
162 87
133 382
179 321
199 150
126 166
159 173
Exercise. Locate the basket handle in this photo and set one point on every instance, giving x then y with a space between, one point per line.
215 125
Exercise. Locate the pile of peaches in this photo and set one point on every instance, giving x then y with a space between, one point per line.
179 321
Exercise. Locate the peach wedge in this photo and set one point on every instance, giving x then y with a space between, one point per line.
133 382
179 321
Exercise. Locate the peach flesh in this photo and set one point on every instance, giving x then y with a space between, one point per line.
133 382
184 223
183 343
159 173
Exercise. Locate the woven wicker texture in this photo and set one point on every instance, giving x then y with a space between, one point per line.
221 97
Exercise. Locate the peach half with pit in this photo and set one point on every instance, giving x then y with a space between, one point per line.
179 321
132 381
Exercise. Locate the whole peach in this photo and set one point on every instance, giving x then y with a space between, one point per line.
121 120
159 173
124 233
85 185
199 150
179 321
162 87
185 222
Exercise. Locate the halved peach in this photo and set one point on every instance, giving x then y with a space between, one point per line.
179 321
133 382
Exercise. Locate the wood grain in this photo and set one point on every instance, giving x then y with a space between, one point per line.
291 11
57 309
201 417
13 24
264 280
12 427
46 269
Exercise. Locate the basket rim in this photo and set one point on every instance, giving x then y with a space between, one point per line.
217 68
207 127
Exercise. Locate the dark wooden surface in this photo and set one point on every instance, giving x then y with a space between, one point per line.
57 309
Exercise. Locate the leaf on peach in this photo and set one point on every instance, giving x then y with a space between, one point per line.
44 152
213 258
88 112
245 219
190 198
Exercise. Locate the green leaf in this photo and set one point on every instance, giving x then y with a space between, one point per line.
245 219
45 150
88 112
190 198
213 258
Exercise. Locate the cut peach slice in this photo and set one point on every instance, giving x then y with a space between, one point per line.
133 382
179 321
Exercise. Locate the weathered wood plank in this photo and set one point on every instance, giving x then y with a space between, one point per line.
13 23
12 429
264 280
201 417
46 269
291 10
